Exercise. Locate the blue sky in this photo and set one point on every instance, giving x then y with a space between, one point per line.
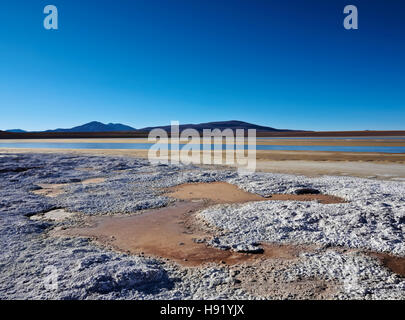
286 64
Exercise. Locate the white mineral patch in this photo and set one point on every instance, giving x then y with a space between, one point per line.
373 218
54 215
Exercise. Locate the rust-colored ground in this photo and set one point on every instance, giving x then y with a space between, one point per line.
216 192
395 264
322 198
172 232
222 192
165 233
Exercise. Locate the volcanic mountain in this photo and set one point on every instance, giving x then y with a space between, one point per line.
233 124
96 126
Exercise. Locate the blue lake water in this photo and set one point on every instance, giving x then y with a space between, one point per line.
334 138
146 146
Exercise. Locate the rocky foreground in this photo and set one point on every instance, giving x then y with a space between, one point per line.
339 238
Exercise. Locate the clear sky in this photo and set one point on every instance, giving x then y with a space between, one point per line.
284 63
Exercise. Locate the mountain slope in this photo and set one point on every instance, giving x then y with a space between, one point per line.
96 126
233 124
15 130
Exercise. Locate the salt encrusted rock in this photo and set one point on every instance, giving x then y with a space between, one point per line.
247 248
307 191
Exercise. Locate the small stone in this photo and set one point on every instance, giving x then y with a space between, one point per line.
243 248
307 191
234 273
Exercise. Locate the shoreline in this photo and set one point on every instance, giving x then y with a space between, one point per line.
307 163
144 134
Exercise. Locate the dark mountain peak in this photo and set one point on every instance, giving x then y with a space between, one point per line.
96 126
94 123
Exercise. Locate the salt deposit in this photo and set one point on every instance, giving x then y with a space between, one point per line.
372 219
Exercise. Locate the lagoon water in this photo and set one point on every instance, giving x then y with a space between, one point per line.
146 146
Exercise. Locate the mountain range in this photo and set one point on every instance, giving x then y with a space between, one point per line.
96 126
233 124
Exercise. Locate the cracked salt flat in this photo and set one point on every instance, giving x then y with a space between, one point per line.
373 219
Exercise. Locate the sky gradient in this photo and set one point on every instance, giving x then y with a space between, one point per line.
285 64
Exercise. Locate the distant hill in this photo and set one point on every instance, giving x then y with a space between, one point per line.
96 126
16 130
99 127
233 124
